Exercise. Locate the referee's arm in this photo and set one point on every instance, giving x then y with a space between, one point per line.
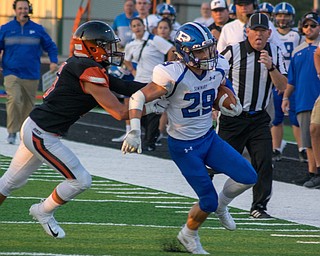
279 80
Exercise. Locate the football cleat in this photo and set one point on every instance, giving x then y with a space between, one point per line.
191 243
260 214
47 221
226 219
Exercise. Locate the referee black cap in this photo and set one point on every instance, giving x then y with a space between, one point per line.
258 20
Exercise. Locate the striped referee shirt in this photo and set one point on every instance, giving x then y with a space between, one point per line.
250 79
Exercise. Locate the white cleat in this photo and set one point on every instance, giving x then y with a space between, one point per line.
47 221
191 243
226 219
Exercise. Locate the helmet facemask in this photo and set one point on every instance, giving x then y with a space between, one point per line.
112 56
188 56
104 52
286 22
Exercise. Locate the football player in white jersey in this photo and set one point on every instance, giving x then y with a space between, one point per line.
190 86
283 17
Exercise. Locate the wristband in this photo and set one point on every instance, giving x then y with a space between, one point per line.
273 67
137 100
135 124
283 99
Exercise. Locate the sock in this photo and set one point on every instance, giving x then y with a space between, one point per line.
318 170
223 202
49 205
128 128
188 231
301 149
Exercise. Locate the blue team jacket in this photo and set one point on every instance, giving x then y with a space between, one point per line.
22 48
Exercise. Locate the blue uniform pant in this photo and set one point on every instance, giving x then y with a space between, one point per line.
192 157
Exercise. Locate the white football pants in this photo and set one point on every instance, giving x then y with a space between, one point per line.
38 146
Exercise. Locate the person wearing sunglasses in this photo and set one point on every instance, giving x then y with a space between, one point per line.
303 79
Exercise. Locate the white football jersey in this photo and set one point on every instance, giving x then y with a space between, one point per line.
190 97
291 40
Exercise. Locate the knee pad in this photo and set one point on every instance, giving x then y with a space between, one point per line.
69 189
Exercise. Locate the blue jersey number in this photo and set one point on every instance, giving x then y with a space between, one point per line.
207 98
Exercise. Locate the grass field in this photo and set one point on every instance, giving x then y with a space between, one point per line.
114 218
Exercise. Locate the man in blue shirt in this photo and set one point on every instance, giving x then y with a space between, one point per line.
303 79
21 43
121 24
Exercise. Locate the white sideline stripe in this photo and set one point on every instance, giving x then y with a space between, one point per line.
106 201
47 176
152 197
102 181
132 193
44 172
35 179
268 224
43 254
172 207
285 235
246 219
117 189
157 226
112 185
308 242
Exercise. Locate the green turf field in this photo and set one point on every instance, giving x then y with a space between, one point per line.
114 218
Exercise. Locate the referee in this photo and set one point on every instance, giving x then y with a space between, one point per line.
255 67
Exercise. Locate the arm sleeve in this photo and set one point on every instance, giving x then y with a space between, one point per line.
123 87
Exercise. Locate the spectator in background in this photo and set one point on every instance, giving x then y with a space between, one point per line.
147 50
121 24
232 12
22 42
164 30
267 9
205 18
235 31
255 67
303 79
315 117
283 18
168 11
220 14
150 21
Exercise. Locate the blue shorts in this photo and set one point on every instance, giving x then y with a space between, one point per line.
278 114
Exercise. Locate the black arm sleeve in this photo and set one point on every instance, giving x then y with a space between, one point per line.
124 87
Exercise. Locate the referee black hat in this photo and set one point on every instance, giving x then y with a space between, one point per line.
258 20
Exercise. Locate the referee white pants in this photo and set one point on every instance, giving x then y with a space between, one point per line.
38 146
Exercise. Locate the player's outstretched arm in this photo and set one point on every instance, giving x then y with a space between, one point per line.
132 141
